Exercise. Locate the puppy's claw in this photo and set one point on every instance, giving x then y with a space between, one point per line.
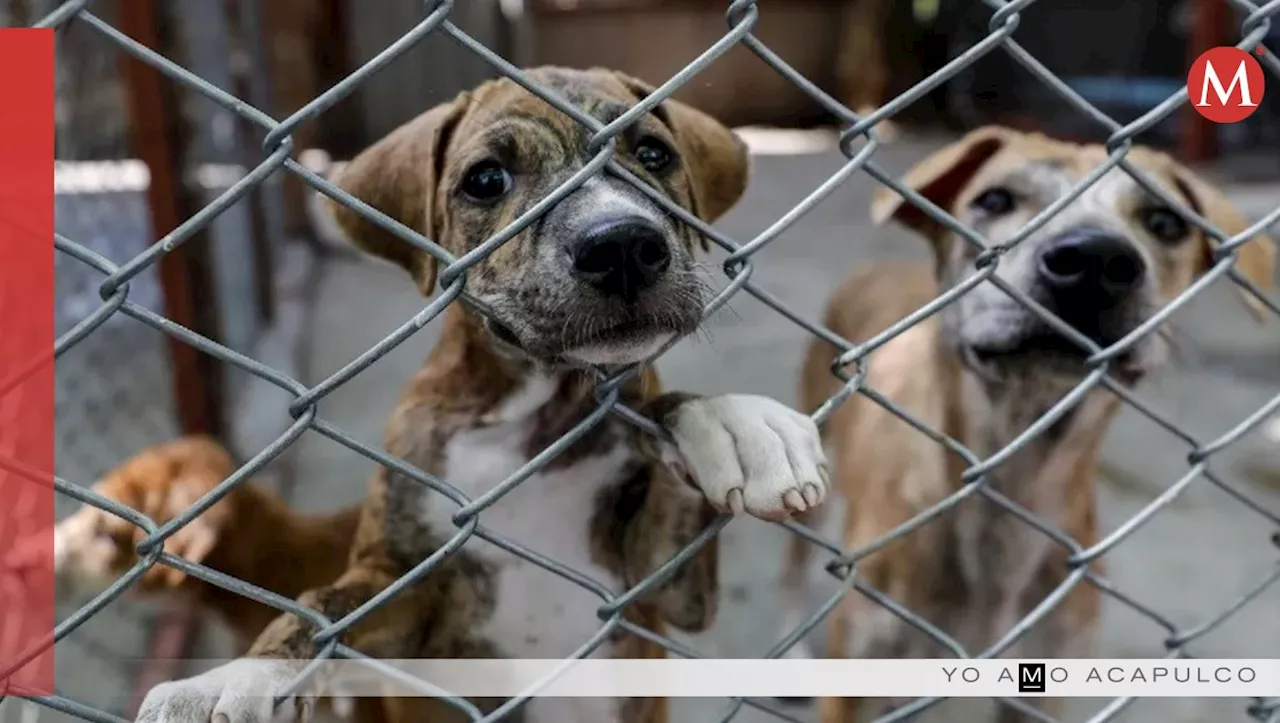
751 454
812 497
241 691
794 501
736 504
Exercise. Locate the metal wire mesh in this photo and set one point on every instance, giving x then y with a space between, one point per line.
118 379
119 279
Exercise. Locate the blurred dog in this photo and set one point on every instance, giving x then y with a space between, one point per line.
250 534
606 278
982 371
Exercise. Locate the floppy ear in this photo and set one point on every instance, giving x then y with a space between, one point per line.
716 157
939 178
398 176
1256 258
193 541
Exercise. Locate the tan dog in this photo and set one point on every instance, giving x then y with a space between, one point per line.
981 371
605 278
250 534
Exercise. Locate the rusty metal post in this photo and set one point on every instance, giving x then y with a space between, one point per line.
246 31
342 132
159 139
287 27
1199 141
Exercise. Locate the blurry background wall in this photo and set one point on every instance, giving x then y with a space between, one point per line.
1136 56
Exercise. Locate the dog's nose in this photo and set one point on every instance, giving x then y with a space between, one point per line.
621 257
1089 271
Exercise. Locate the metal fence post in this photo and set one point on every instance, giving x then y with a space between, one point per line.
160 141
1199 141
287 31
244 39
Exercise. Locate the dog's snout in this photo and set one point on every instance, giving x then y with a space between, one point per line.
1090 270
621 257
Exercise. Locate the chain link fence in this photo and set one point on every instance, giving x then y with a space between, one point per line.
112 392
118 281
117 380
115 389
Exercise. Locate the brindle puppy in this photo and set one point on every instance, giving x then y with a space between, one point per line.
605 278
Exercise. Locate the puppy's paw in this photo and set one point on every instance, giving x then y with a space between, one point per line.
242 691
750 453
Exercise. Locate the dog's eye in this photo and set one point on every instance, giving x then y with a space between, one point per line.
994 201
653 154
1165 225
486 181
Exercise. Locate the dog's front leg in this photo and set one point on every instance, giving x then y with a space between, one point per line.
243 690
666 514
728 453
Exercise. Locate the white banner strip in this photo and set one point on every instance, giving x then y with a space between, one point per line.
679 678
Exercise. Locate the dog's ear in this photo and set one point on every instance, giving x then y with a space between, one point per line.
1256 258
716 158
398 176
939 178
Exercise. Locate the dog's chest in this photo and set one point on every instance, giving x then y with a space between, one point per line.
538 612
1001 555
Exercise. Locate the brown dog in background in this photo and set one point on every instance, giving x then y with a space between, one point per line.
981 371
250 534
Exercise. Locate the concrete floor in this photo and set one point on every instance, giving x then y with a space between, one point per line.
1190 562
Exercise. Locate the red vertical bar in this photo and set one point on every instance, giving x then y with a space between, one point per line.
26 361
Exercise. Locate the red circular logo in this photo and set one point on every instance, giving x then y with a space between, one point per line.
1225 84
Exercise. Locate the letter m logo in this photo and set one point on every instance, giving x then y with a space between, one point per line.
1225 85
1030 677
1240 78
